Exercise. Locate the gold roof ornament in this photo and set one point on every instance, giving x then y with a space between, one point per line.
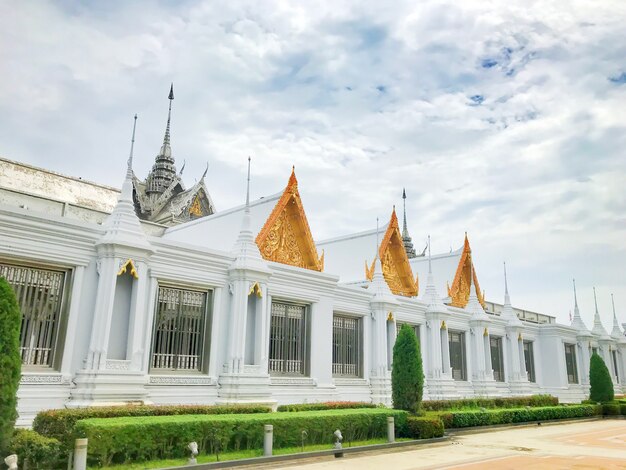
196 209
255 289
390 316
286 237
129 267
443 325
459 292
395 262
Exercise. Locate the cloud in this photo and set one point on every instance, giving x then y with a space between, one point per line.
500 119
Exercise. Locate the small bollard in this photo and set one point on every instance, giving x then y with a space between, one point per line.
268 439
193 448
391 431
338 446
11 461
80 454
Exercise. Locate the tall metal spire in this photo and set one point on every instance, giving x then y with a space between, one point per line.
132 145
598 327
406 238
430 266
577 321
166 138
616 332
248 187
575 296
163 171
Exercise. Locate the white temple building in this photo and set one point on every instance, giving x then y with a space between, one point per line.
150 295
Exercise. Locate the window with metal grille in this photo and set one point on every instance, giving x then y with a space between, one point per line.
497 363
570 363
179 329
615 365
457 355
346 346
529 360
415 328
39 294
288 339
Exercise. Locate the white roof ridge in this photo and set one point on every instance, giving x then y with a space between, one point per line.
350 236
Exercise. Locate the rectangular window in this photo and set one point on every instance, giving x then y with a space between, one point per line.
416 329
615 365
179 329
346 346
529 360
457 355
39 295
288 339
497 363
570 363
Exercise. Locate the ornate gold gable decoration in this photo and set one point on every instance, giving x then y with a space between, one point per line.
396 268
286 237
255 289
129 267
460 290
196 208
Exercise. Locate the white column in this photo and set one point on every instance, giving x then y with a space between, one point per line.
72 320
137 338
435 346
148 325
513 349
445 351
216 321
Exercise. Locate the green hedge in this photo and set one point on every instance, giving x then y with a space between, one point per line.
509 402
36 451
120 440
623 408
464 419
59 424
329 405
424 427
611 409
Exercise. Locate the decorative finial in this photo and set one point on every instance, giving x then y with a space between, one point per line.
132 145
205 171
248 185
405 231
613 303
506 284
595 300
171 95
575 296
430 268
183 167
166 139
376 255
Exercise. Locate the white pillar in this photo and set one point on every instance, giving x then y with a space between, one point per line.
72 320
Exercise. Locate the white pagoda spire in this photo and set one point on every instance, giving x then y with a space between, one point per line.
507 311
577 321
598 327
473 305
379 286
122 225
431 296
616 332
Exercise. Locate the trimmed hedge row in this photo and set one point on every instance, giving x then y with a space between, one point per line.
329 405
424 427
120 440
36 451
59 424
465 419
508 402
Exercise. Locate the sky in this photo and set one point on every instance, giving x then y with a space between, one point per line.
502 119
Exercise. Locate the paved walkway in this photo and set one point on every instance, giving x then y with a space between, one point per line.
584 445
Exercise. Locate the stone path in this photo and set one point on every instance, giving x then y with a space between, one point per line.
597 444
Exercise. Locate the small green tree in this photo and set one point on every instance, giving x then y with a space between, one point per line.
10 362
407 376
600 380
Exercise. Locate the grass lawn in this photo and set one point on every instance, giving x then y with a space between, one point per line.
243 454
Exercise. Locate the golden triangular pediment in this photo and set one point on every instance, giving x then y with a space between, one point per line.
459 292
286 237
395 263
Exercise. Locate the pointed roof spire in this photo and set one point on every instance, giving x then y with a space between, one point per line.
406 238
598 327
248 187
616 332
166 149
378 286
163 171
431 296
507 310
577 321
473 305
430 265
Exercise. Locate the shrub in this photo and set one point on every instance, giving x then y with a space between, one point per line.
59 424
508 402
36 451
424 427
10 361
464 419
622 408
407 377
600 380
611 409
119 440
329 405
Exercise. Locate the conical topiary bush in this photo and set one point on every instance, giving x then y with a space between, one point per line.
407 376
600 380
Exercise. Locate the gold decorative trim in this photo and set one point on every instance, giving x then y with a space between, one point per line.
486 332
129 265
255 289
443 325
390 316
196 208
286 236
519 337
459 293
395 263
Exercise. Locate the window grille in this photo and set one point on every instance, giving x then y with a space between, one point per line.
39 294
497 363
416 329
179 331
346 346
529 360
457 355
570 363
615 365
288 331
